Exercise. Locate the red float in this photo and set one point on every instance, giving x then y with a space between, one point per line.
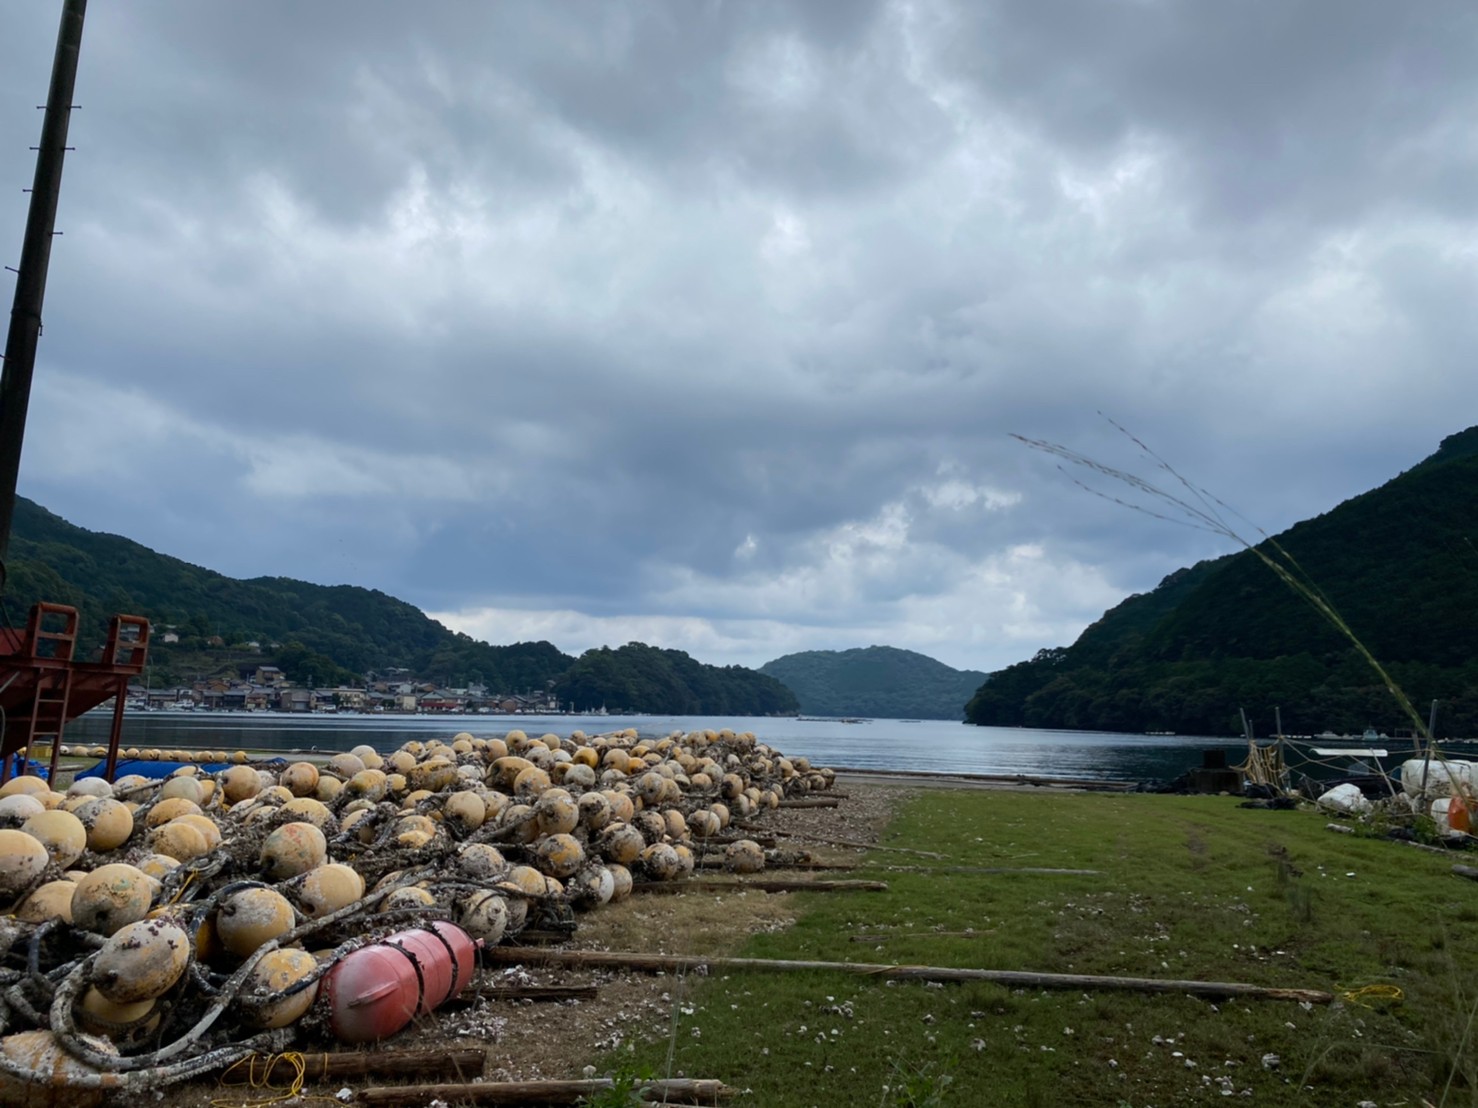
377 990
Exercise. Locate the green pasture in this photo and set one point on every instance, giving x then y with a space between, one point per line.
1187 888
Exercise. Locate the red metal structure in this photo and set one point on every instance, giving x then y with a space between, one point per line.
43 687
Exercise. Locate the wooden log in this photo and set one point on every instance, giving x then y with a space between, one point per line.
278 1070
765 839
1469 872
531 935
663 963
911 935
853 844
764 886
809 802
687 1090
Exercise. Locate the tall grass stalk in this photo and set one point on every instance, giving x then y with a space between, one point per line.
1195 507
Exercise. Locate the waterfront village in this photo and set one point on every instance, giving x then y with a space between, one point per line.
267 689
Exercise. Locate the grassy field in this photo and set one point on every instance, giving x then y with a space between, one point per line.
1192 888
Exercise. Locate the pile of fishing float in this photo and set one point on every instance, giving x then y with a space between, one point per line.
160 929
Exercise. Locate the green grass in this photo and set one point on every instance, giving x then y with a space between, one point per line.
1193 888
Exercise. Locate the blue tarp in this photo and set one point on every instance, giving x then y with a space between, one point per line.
162 769
21 767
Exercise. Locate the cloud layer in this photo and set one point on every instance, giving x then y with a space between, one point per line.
709 324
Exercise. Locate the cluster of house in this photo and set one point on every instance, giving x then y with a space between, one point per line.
267 689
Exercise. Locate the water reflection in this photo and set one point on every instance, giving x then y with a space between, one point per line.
935 746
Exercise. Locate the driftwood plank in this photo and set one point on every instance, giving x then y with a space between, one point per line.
1016 978
764 886
670 1091
276 1069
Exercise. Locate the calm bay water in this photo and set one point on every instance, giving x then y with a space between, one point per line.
931 746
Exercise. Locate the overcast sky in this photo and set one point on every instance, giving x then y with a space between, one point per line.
708 323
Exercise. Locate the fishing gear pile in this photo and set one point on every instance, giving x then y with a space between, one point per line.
161 929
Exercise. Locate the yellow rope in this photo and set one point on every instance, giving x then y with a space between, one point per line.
183 886
1368 994
262 1080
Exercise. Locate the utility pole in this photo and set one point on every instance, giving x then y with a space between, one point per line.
30 281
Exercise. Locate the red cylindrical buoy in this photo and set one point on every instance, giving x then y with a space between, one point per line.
376 991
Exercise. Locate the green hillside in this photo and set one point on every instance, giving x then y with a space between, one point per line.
335 633
641 678
879 681
1398 563
357 629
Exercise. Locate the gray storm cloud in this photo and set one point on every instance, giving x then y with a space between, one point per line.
708 324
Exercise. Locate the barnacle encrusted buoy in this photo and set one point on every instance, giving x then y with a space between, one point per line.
621 882
484 915
559 855
170 808
240 783
465 809
22 858
292 849
369 784
745 856
300 778
412 896
19 807
247 919
141 960
621 843
278 971
591 887
178 840
97 1015
183 786
107 822
56 1078
328 888
52 900
111 897
306 809
24 784
480 861
89 786
60 833
557 812
346 765
660 862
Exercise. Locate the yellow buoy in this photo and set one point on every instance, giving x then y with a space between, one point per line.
169 808
327 888
300 778
292 849
559 855
141 960
60 833
252 917
178 840
278 971
22 858
57 1080
240 783
108 823
52 900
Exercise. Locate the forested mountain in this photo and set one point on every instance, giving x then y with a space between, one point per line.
641 678
1399 565
350 628
879 681
333 633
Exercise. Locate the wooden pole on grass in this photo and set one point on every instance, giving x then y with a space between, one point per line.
665 963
